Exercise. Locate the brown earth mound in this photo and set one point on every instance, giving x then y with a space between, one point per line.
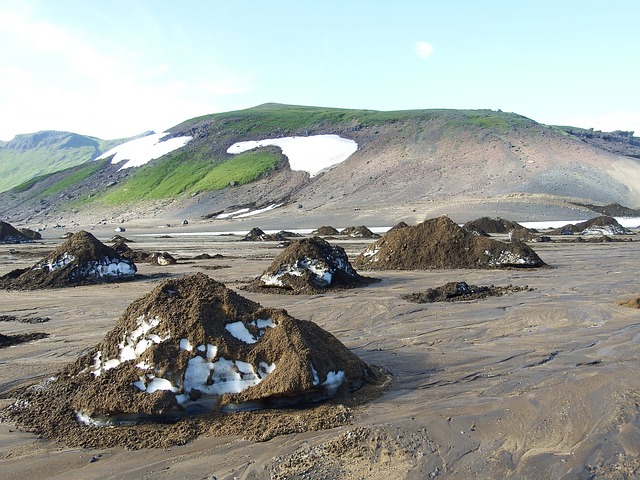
460 291
257 235
31 234
310 265
602 225
441 243
399 225
8 234
492 225
162 259
11 340
81 260
632 303
325 231
193 346
359 232
124 250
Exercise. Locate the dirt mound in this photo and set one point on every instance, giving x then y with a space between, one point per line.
284 234
492 225
441 243
631 303
192 346
31 234
125 251
257 235
11 340
359 232
81 260
310 265
325 231
461 291
399 225
8 234
162 259
602 225
207 256
119 238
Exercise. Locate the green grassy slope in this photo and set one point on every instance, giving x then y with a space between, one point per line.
33 155
204 164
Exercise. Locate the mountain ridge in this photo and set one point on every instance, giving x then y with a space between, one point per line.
30 155
407 163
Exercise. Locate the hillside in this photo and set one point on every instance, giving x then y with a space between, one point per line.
408 164
35 154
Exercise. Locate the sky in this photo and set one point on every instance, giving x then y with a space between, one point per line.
117 68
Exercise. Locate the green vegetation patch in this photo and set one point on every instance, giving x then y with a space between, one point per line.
175 174
75 176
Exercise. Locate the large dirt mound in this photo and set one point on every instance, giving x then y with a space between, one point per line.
191 346
81 260
311 265
8 234
602 225
441 243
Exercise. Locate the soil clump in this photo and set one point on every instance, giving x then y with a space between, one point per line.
310 266
441 243
194 352
81 260
461 291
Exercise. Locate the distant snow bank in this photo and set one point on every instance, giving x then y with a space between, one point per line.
311 154
143 150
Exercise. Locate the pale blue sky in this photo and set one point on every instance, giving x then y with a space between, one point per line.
117 68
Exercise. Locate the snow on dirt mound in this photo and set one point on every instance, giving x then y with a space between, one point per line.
441 243
193 346
81 260
602 225
311 265
9 234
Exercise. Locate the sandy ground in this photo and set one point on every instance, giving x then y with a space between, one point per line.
538 384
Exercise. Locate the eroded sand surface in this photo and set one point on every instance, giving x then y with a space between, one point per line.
543 383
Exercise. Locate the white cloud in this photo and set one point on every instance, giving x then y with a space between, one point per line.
423 49
65 78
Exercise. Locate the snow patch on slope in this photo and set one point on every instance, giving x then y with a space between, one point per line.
143 150
311 154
